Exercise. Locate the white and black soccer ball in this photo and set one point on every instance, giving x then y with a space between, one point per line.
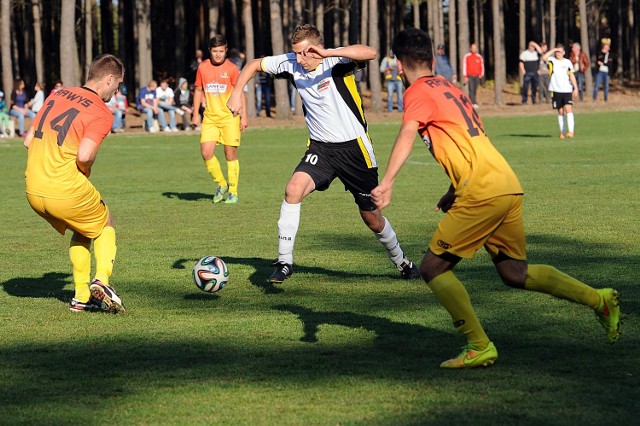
210 274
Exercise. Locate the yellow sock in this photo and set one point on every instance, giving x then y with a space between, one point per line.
214 169
455 299
233 170
547 279
80 255
104 247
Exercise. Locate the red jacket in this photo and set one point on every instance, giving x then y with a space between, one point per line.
473 65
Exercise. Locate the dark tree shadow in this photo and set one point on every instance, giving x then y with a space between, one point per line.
528 135
389 334
188 196
50 284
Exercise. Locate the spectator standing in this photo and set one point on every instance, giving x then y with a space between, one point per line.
529 64
263 87
59 85
563 87
581 64
389 67
605 62
193 67
473 72
147 103
4 116
38 99
165 96
184 101
543 76
443 65
19 105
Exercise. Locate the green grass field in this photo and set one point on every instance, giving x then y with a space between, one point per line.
344 341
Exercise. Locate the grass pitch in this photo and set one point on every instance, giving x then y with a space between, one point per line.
344 341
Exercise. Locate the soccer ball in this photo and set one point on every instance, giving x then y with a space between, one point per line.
210 274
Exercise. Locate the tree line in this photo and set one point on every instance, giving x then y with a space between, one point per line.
45 41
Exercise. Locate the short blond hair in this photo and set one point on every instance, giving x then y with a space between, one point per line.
306 32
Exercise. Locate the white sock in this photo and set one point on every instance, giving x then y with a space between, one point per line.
390 242
561 123
570 122
287 230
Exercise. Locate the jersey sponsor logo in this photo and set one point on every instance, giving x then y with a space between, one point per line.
215 88
323 85
224 75
81 100
444 245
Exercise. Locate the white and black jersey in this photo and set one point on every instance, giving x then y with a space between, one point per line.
332 105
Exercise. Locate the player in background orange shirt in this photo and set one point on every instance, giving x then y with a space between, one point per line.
483 205
216 77
62 144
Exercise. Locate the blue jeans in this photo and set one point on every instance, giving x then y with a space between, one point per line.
601 77
172 113
394 86
20 115
530 79
266 89
580 81
117 119
150 115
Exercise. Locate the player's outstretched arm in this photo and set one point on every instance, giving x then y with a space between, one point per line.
356 52
248 71
402 147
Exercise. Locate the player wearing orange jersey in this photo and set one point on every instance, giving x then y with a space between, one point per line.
217 77
62 144
483 204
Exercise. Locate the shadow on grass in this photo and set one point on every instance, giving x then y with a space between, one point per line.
528 135
188 196
388 333
50 285
264 267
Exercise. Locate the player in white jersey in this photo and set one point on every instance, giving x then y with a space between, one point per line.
563 87
339 144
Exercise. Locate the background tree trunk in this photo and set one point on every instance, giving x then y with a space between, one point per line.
463 30
5 43
453 37
213 17
522 31
374 65
498 50
584 41
415 5
283 107
247 20
143 25
37 40
68 46
552 23
88 36
179 52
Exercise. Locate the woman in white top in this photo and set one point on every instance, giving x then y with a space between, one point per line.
38 99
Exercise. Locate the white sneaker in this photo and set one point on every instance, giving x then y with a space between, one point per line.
152 130
180 112
175 129
167 129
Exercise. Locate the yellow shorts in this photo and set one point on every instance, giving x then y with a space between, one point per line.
86 214
227 133
495 223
